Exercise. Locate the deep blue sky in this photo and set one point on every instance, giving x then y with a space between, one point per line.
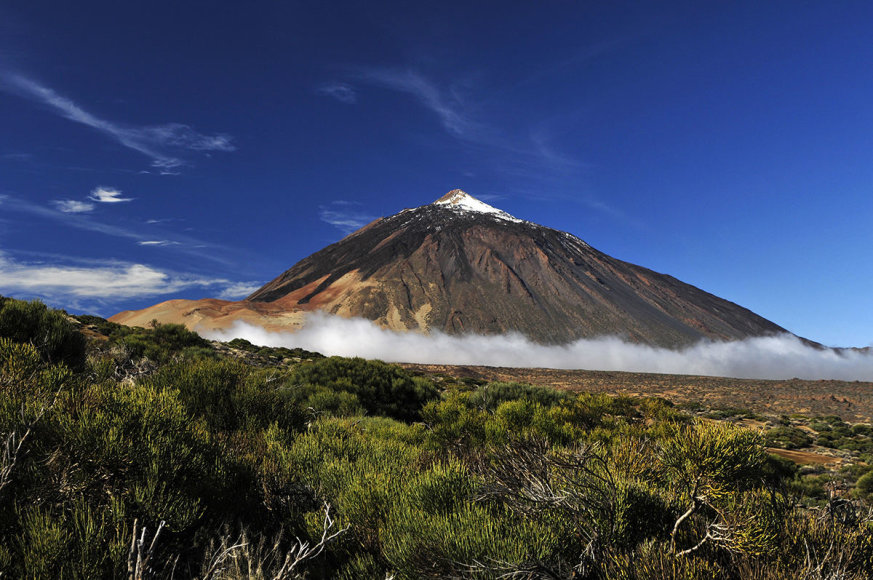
729 144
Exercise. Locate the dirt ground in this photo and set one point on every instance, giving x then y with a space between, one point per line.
852 401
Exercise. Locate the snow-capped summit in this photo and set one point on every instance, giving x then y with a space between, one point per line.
463 201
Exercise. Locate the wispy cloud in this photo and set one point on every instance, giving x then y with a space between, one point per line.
158 142
542 138
529 149
107 195
345 215
73 206
342 92
72 219
446 105
239 290
123 280
185 243
99 194
158 243
19 157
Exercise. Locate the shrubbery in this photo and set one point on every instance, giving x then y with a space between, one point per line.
380 389
788 438
50 331
347 468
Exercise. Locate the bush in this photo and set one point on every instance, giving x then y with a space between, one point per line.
864 485
161 342
275 353
490 396
498 480
382 389
50 331
229 395
788 438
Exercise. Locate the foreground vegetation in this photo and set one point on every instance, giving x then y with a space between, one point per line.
151 453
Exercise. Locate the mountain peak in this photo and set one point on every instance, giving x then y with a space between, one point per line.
460 266
460 200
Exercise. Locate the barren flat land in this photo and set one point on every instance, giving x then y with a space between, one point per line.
850 400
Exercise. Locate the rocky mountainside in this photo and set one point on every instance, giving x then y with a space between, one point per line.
459 265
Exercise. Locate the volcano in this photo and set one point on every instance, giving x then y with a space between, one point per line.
459 265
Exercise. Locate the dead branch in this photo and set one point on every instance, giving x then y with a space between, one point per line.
256 558
139 557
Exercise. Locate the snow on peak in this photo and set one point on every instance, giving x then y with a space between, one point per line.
463 201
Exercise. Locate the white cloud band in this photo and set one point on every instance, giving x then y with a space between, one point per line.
773 357
57 282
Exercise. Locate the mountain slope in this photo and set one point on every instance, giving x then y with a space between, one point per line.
459 265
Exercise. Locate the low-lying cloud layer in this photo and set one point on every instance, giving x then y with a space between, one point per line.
774 357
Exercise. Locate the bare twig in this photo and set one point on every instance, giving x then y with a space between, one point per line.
302 551
138 557
270 562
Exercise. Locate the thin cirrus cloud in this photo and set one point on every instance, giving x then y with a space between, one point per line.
447 106
185 244
72 219
457 116
124 280
73 206
344 215
342 92
531 153
107 195
158 243
157 142
239 290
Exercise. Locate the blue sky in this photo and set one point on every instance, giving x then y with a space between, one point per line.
161 150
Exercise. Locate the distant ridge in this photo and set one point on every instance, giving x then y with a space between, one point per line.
459 265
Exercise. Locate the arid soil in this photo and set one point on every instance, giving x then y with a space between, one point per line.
806 457
852 401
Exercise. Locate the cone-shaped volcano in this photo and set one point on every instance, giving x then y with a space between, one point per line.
459 265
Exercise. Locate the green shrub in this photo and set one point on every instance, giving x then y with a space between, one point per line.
103 326
229 395
864 485
50 331
658 409
496 480
161 342
788 438
323 400
275 353
143 443
492 395
706 465
382 389
460 543
455 425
